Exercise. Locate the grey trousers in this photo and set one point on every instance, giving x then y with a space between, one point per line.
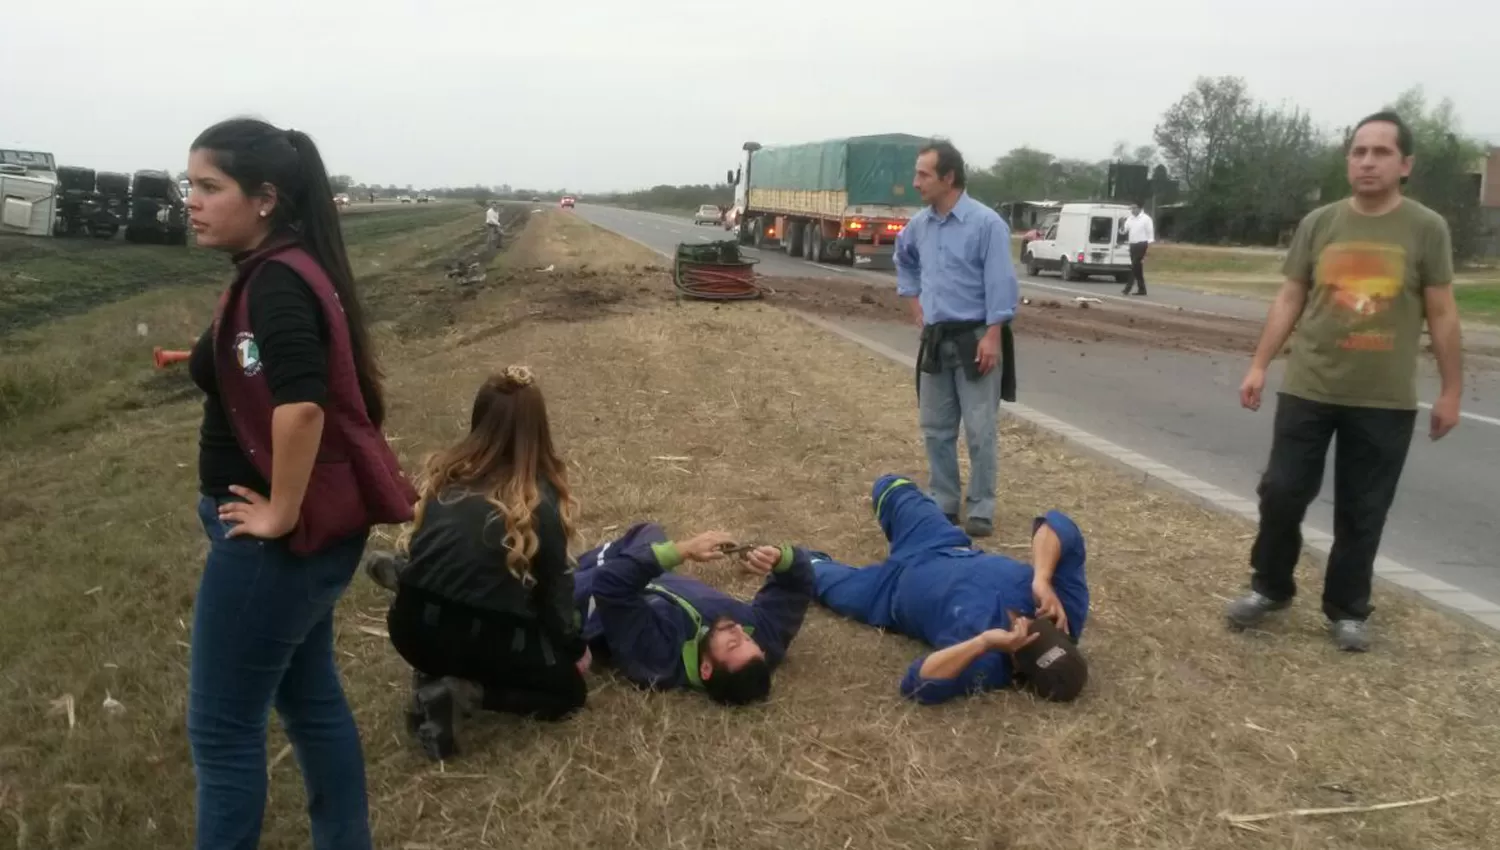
947 399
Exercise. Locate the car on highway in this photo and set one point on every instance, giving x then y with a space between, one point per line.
1086 240
566 203
707 214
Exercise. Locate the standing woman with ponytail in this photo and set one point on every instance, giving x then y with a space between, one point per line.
294 470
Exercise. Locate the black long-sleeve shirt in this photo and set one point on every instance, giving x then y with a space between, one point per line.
458 554
290 344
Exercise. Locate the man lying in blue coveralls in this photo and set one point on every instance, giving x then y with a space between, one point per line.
663 630
992 620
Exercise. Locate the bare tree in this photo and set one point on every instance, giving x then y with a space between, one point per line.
1196 131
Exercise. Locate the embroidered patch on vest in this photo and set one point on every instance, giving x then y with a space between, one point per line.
247 353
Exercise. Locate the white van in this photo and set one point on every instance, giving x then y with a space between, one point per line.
1086 240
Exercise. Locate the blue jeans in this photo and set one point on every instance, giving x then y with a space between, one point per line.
944 400
263 634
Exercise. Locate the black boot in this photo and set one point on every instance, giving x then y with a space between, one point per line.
435 730
414 713
384 568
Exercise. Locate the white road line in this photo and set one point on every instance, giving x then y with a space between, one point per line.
1477 417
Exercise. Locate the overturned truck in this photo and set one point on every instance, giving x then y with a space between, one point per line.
158 213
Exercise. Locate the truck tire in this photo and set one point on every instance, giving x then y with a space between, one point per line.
1029 260
758 236
815 249
791 240
1066 270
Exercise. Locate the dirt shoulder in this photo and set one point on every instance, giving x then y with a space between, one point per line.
740 417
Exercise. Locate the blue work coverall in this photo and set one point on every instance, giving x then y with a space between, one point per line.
935 587
646 621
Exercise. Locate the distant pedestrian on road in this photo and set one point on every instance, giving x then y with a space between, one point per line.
953 262
492 225
1361 274
1140 230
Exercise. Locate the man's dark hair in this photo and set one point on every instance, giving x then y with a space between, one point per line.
1405 142
949 161
749 684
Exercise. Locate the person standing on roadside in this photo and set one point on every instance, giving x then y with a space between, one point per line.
293 469
1361 274
492 225
1140 231
953 263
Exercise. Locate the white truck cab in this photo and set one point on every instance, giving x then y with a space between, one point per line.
1086 240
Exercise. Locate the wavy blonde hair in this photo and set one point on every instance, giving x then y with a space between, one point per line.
506 455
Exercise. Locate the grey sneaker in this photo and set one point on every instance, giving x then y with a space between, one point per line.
1350 635
1250 609
976 527
383 568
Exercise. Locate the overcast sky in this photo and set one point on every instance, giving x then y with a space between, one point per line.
591 95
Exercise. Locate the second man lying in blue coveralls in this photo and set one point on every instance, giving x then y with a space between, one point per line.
974 608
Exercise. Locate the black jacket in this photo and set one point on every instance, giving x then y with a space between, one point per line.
458 555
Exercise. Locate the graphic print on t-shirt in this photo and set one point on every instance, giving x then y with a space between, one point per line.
1365 279
247 353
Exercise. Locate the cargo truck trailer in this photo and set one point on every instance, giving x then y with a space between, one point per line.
841 200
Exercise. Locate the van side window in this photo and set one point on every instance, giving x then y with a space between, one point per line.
1101 230
1051 232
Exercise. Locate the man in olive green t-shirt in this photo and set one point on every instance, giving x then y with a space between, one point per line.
1361 275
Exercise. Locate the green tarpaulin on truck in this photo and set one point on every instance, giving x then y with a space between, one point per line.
872 169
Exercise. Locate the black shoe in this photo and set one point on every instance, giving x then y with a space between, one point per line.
413 712
384 568
435 732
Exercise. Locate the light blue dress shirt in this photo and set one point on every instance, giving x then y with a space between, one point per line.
958 265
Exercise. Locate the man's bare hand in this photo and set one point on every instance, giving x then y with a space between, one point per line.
704 547
762 559
1444 416
1048 605
989 350
1251 388
1012 639
916 312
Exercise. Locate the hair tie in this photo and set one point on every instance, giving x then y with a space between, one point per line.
518 376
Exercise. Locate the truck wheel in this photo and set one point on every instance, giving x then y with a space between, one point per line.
759 239
815 250
1066 270
1031 265
791 240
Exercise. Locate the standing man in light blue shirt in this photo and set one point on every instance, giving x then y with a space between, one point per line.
953 263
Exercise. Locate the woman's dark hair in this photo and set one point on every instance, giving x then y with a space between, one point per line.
255 154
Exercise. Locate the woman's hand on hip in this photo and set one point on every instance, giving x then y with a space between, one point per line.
257 516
